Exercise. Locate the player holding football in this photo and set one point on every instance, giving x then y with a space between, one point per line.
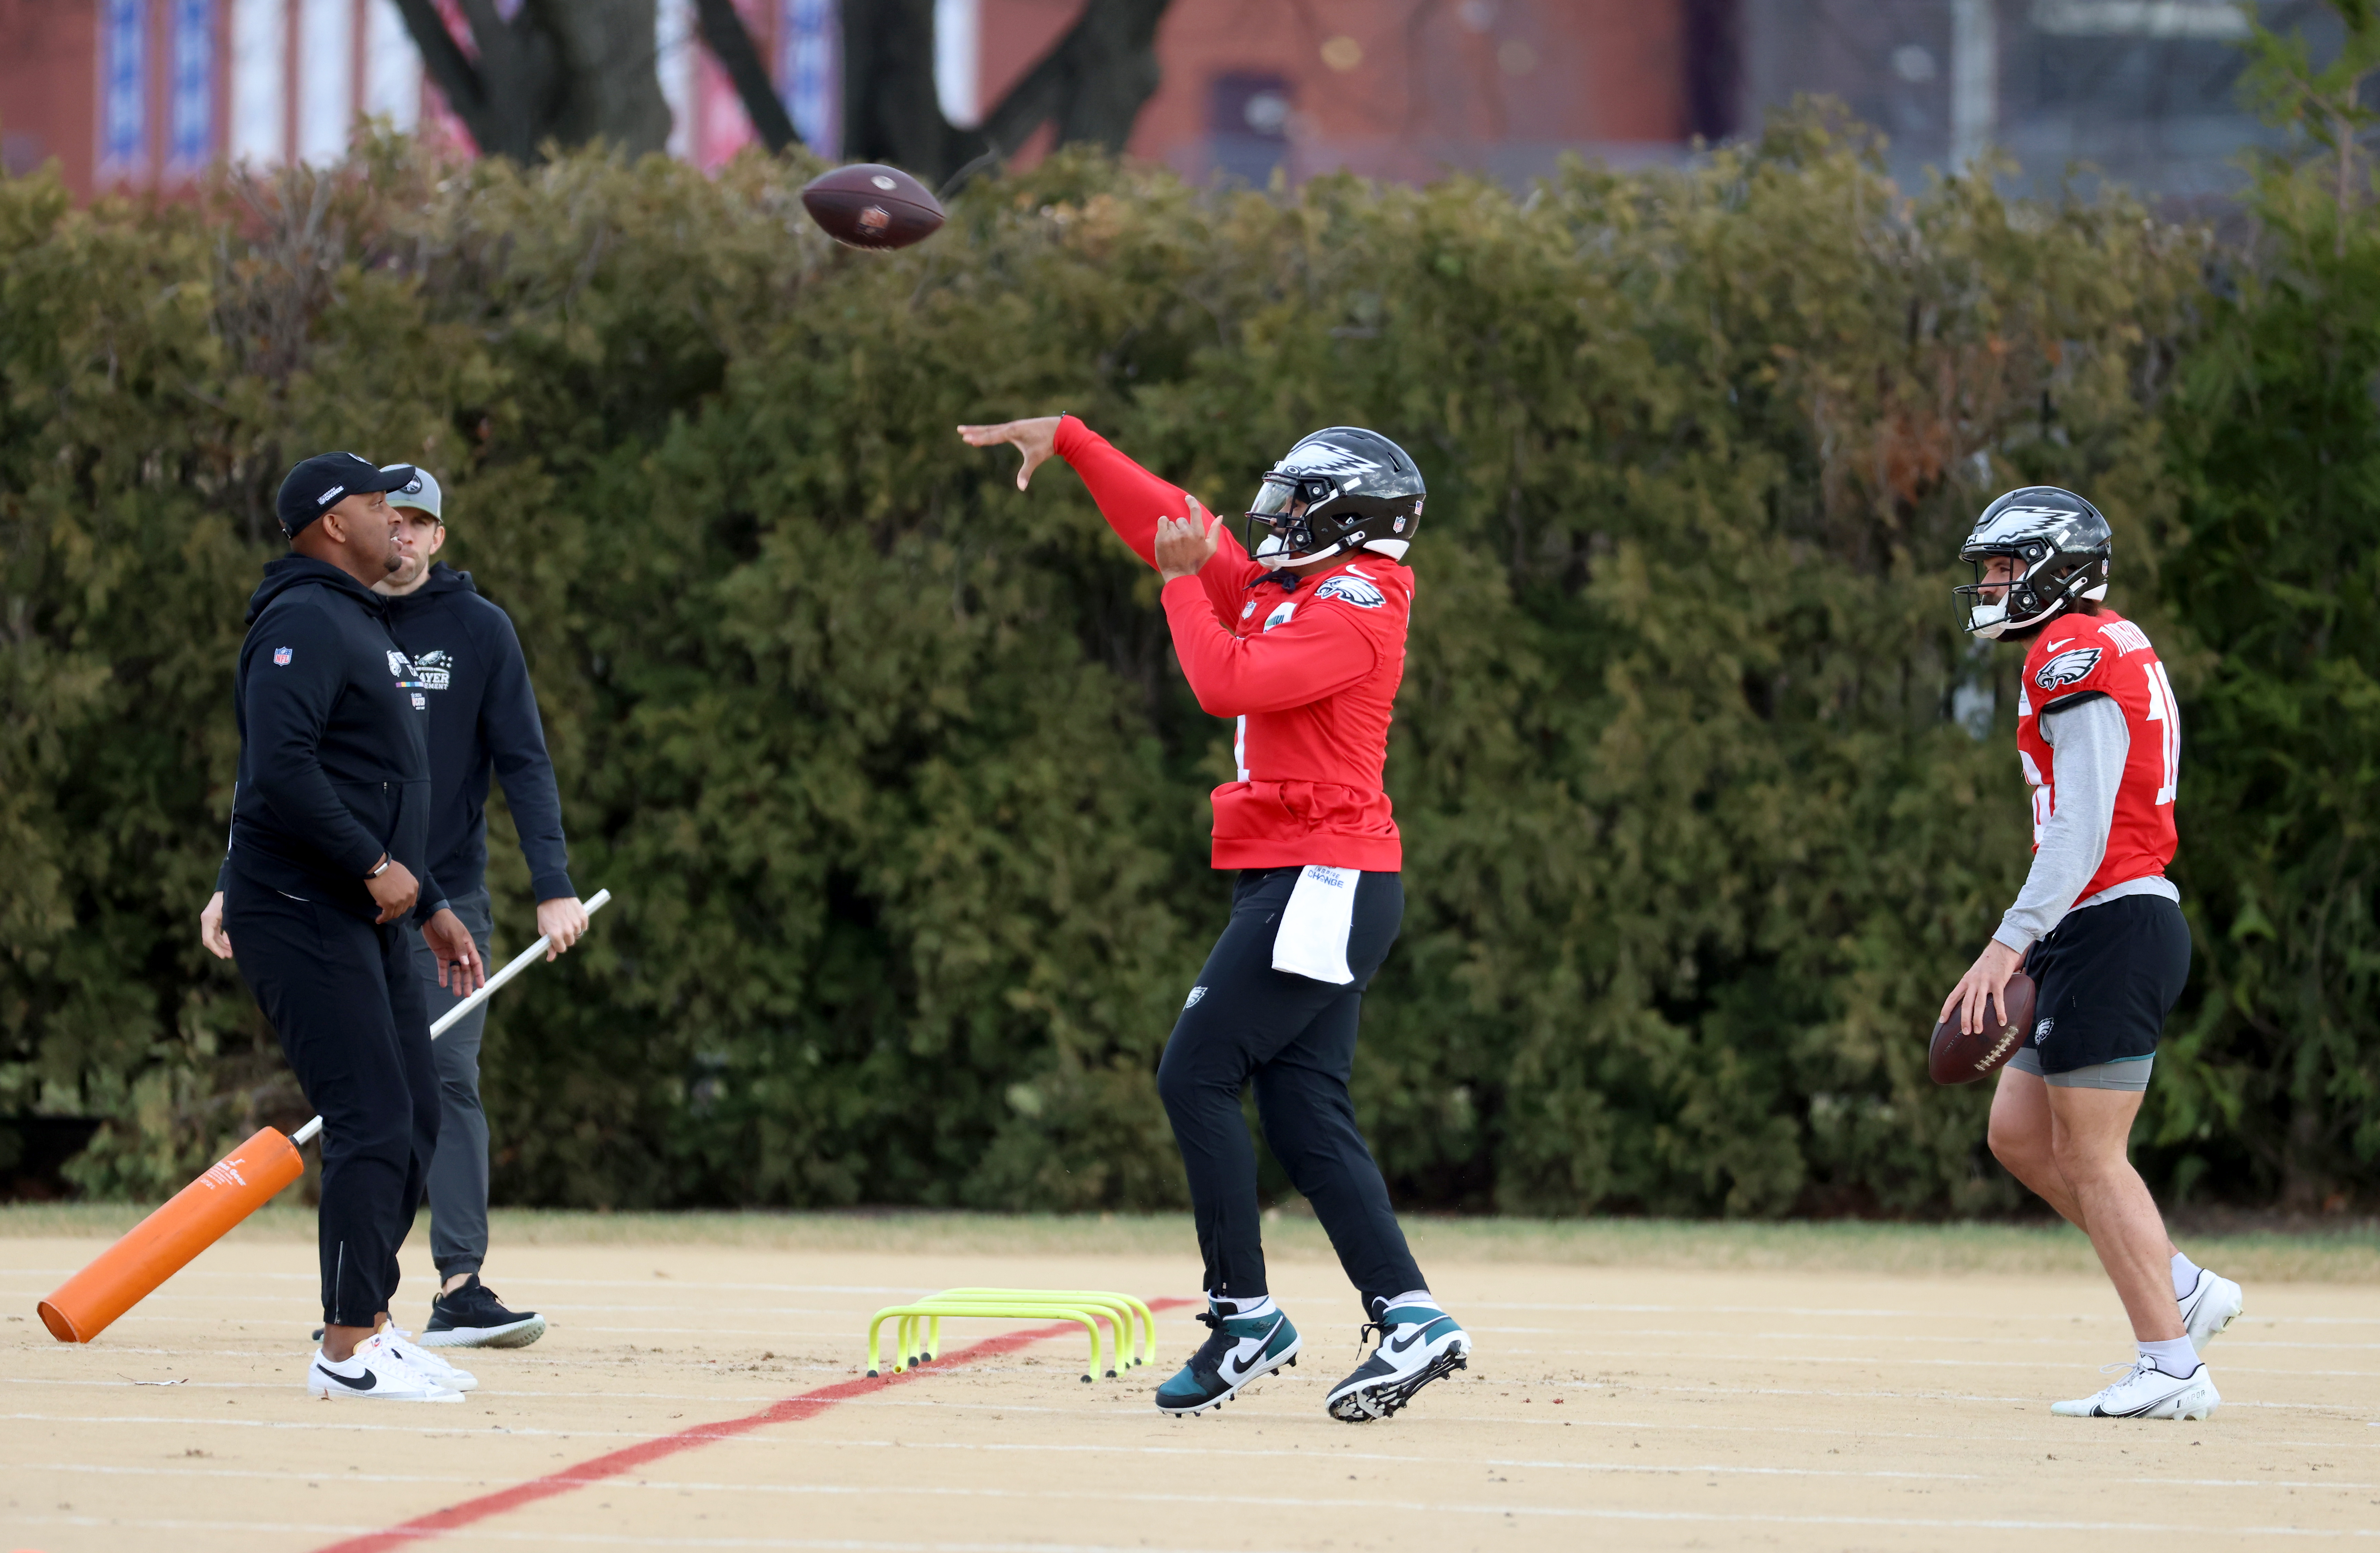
1304 644
2099 925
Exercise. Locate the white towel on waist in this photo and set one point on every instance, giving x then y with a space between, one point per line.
1311 939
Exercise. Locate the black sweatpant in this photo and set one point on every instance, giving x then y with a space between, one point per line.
343 996
1295 1038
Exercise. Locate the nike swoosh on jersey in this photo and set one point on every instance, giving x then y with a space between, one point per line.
2053 646
369 1380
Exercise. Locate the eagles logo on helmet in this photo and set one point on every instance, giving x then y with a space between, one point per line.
1342 488
2058 546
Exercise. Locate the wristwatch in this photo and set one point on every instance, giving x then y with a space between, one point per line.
384 861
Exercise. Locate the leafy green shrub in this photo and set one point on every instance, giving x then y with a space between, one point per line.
889 765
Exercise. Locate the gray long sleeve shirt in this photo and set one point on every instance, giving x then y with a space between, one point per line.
2089 743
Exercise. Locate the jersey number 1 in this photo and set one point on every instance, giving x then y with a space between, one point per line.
2163 711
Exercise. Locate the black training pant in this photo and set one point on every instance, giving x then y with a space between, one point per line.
458 1176
343 996
1295 1038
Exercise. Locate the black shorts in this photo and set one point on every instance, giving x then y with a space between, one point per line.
2105 979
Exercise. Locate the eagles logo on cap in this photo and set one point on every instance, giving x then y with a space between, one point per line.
419 491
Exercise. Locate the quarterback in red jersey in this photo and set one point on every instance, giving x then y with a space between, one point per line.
1299 635
2098 926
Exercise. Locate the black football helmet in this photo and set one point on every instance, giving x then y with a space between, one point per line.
2060 547
1339 488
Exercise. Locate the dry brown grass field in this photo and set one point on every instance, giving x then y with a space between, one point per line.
1636 1386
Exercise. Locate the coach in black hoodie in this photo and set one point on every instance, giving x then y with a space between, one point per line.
328 863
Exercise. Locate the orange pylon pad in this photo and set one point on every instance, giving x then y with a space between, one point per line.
162 1244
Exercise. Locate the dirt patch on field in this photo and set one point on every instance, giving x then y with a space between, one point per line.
1628 1406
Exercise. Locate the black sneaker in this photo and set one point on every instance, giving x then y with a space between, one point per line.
473 1318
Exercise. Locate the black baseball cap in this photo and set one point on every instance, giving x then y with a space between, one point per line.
315 486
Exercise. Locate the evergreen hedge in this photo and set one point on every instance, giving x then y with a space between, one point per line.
1706 800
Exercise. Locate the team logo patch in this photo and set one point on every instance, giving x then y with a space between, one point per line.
2067 667
280 656
1281 615
435 669
1355 591
1195 993
2040 1031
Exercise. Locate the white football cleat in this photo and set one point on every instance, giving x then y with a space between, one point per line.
375 1373
2147 1391
2212 1305
452 1377
1418 1344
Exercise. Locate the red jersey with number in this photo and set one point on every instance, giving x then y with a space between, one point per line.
2104 654
1308 666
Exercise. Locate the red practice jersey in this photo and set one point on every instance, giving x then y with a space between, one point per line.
2084 655
1308 665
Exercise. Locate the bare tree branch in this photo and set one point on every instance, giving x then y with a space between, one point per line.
731 44
450 68
1092 84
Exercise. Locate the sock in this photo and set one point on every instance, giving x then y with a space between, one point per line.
1413 1297
1253 1305
2185 1276
2175 1357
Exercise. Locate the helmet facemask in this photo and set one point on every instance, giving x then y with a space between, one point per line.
1280 531
2043 585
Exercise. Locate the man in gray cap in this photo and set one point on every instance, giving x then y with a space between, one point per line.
482 721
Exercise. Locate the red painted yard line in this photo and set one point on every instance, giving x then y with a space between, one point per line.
793 1410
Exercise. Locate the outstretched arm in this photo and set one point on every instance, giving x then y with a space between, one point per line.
1130 498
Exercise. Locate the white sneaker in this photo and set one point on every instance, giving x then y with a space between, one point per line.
2212 1305
2149 1393
452 1377
375 1373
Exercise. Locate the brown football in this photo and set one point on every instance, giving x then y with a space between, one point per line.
870 205
1955 1058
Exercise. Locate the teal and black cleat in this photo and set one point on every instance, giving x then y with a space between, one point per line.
1243 1349
1418 1343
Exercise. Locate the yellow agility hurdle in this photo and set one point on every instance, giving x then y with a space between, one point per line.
918 1333
1143 1346
919 1338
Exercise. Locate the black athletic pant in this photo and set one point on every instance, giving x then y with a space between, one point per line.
341 995
1295 1038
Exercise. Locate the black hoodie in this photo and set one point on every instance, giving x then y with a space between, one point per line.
482 717
333 742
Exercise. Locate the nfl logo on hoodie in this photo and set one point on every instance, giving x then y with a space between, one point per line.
280 656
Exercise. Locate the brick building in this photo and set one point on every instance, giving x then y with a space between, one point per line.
146 93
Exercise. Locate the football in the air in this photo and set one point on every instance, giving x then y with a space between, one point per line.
870 205
1956 1058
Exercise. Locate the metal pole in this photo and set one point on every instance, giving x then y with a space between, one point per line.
520 963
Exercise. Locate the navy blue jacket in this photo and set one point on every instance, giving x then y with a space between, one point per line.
482 718
333 742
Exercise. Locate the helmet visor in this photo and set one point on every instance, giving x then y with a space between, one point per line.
1275 493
